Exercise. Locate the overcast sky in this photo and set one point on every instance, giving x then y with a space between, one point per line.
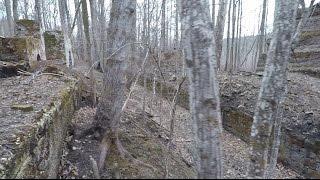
251 15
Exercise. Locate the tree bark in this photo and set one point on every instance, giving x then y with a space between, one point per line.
219 30
261 32
228 38
9 16
15 10
163 42
121 31
199 51
273 87
65 30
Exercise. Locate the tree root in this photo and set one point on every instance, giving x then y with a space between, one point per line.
105 148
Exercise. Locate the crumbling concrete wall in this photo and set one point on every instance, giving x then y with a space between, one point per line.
26 47
54 45
22 50
38 153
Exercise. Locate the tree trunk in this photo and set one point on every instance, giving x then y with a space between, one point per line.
228 38
121 31
273 87
9 16
163 43
261 32
88 49
213 16
15 10
203 88
40 22
94 32
65 29
232 51
25 3
219 30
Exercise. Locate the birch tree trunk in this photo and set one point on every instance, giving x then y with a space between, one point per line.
273 87
121 31
219 30
65 29
199 51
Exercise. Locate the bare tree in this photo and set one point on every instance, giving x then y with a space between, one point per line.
273 87
9 16
15 10
228 37
121 32
204 91
39 20
219 29
213 16
88 49
163 42
25 2
261 32
66 37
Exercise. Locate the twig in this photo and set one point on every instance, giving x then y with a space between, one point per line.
172 115
136 81
114 53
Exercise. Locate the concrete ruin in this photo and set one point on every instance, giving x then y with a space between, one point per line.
54 45
25 47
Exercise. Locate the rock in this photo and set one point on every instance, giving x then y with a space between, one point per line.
24 108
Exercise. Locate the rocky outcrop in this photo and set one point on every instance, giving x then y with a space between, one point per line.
306 58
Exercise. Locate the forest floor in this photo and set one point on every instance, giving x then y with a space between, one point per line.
145 135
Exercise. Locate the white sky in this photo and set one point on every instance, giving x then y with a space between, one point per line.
251 15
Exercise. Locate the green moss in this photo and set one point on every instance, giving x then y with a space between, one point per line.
26 22
24 108
309 34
